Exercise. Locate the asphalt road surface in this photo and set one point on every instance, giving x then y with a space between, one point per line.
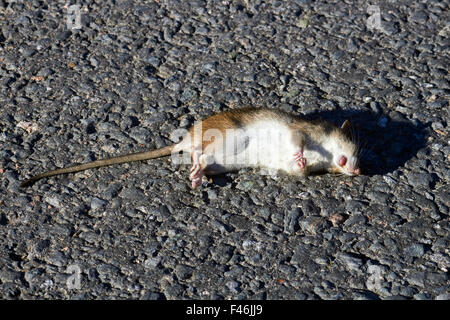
89 79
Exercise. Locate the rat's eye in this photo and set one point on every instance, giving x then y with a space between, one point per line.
342 161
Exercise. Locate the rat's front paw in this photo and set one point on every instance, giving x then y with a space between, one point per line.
299 159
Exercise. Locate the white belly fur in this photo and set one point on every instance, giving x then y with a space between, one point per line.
266 144
263 144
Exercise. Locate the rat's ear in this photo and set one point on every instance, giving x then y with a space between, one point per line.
346 127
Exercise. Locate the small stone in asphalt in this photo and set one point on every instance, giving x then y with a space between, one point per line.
420 179
415 250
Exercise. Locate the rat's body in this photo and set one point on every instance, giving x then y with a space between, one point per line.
251 137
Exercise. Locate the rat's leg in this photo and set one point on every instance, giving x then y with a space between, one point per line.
197 172
298 140
298 157
205 164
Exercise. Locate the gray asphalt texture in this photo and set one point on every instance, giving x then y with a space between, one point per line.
130 73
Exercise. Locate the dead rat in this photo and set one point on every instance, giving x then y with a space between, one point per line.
250 137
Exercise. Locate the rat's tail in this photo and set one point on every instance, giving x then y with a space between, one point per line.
165 151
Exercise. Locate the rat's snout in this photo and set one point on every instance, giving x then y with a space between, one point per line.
352 172
349 166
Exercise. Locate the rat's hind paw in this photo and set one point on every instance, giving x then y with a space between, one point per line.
196 176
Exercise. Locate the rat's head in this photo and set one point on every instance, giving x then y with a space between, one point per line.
345 152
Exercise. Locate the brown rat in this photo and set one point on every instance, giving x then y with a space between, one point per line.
250 137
